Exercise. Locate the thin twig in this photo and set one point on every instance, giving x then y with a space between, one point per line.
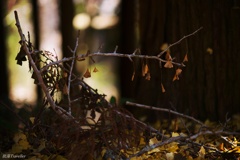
70 73
56 108
164 110
184 37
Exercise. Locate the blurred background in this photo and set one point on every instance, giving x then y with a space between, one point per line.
209 87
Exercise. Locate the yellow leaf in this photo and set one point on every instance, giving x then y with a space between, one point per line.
32 119
164 46
153 141
168 64
202 152
209 50
170 156
87 74
24 144
175 134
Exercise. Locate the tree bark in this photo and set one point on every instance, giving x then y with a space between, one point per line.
209 86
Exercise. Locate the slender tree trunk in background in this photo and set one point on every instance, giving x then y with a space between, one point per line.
209 86
4 93
68 38
37 39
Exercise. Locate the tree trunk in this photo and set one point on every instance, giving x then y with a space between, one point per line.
209 86
3 71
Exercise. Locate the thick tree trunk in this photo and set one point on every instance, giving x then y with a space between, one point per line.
209 86
4 93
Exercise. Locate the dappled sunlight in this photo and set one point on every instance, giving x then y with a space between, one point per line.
105 79
21 86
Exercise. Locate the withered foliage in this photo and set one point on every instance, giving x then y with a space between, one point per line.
95 124
76 122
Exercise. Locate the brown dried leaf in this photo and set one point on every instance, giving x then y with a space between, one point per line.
168 56
21 56
133 75
168 64
185 58
148 76
178 72
95 69
144 69
175 77
163 89
87 74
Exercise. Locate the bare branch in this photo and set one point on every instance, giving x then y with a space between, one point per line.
57 109
70 73
165 110
184 37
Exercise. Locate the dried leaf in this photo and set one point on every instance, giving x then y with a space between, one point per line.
164 46
21 56
170 156
175 77
202 152
163 89
145 69
209 50
185 58
87 74
95 70
32 119
168 56
178 72
168 64
221 147
148 76
133 75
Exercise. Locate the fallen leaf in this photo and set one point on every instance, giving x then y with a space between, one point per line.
170 156
202 152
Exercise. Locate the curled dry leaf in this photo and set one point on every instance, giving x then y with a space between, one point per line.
87 74
168 64
185 58
145 69
178 72
148 76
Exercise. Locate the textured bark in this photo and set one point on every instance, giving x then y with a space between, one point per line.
209 86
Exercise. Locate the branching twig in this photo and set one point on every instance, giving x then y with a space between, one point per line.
57 109
165 110
70 73
184 37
